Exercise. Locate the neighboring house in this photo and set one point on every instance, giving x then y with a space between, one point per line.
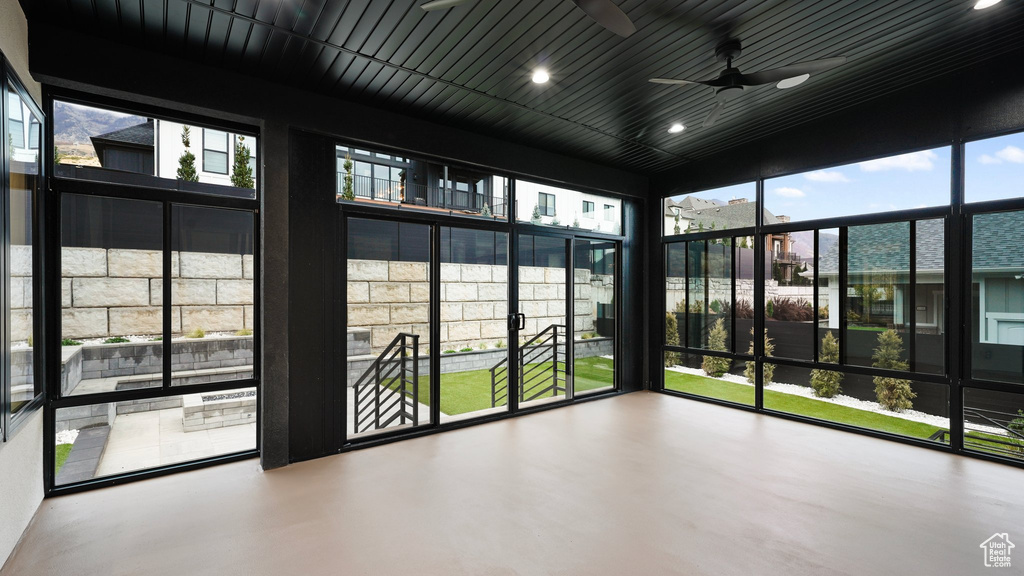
130 149
568 207
880 254
699 214
154 147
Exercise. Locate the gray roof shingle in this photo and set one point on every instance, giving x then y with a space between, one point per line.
140 135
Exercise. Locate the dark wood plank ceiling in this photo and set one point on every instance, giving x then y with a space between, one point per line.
469 66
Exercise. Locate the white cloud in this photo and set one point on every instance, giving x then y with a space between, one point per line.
787 192
1011 154
913 162
826 176
986 159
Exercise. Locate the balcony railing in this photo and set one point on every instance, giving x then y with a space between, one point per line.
385 190
787 257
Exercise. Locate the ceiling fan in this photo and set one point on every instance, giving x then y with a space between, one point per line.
604 12
731 82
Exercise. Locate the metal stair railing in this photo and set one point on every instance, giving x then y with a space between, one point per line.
535 378
388 391
1012 446
499 383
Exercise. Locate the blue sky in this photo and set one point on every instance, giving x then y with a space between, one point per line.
994 170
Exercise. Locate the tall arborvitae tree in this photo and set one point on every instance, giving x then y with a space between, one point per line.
535 217
672 339
893 393
827 383
187 160
716 365
241 172
347 191
769 369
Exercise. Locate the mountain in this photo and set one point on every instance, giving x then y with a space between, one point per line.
74 124
802 243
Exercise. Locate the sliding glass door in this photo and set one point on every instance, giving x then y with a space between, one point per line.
431 338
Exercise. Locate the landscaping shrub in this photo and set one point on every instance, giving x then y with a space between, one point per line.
244 332
448 352
116 340
893 394
70 342
716 365
197 333
744 309
769 369
500 344
823 312
466 349
671 339
790 310
827 383
769 309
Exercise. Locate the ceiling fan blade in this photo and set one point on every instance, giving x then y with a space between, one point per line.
672 81
714 114
443 4
777 74
607 14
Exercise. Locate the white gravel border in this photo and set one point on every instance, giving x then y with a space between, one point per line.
842 400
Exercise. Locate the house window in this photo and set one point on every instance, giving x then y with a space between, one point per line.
16 122
588 209
609 212
215 151
546 202
33 134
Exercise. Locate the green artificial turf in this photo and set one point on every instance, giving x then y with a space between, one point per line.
743 394
463 392
63 450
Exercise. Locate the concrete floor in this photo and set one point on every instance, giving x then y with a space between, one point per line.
638 484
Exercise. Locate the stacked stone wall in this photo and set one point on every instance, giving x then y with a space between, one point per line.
391 297
106 293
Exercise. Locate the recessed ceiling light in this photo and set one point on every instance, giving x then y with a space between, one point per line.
982 4
676 128
540 76
791 82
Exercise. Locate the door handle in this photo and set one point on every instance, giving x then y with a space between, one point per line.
521 325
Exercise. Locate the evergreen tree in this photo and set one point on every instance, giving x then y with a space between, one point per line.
486 211
893 393
554 220
716 365
676 229
769 369
187 160
57 156
535 217
576 222
671 339
347 191
826 383
241 172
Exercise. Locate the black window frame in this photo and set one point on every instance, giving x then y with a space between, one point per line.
168 193
588 213
11 423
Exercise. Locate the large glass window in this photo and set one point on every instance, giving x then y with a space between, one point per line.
388 331
994 168
594 316
997 297
407 183
138 273
561 207
107 145
474 323
725 208
17 228
902 182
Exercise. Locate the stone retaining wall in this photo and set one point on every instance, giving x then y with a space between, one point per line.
391 297
119 292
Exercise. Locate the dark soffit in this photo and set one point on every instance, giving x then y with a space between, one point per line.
469 66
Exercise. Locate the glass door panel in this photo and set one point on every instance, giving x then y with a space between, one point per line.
543 359
474 323
594 264
388 331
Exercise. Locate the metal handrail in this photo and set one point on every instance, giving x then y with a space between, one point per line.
388 390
